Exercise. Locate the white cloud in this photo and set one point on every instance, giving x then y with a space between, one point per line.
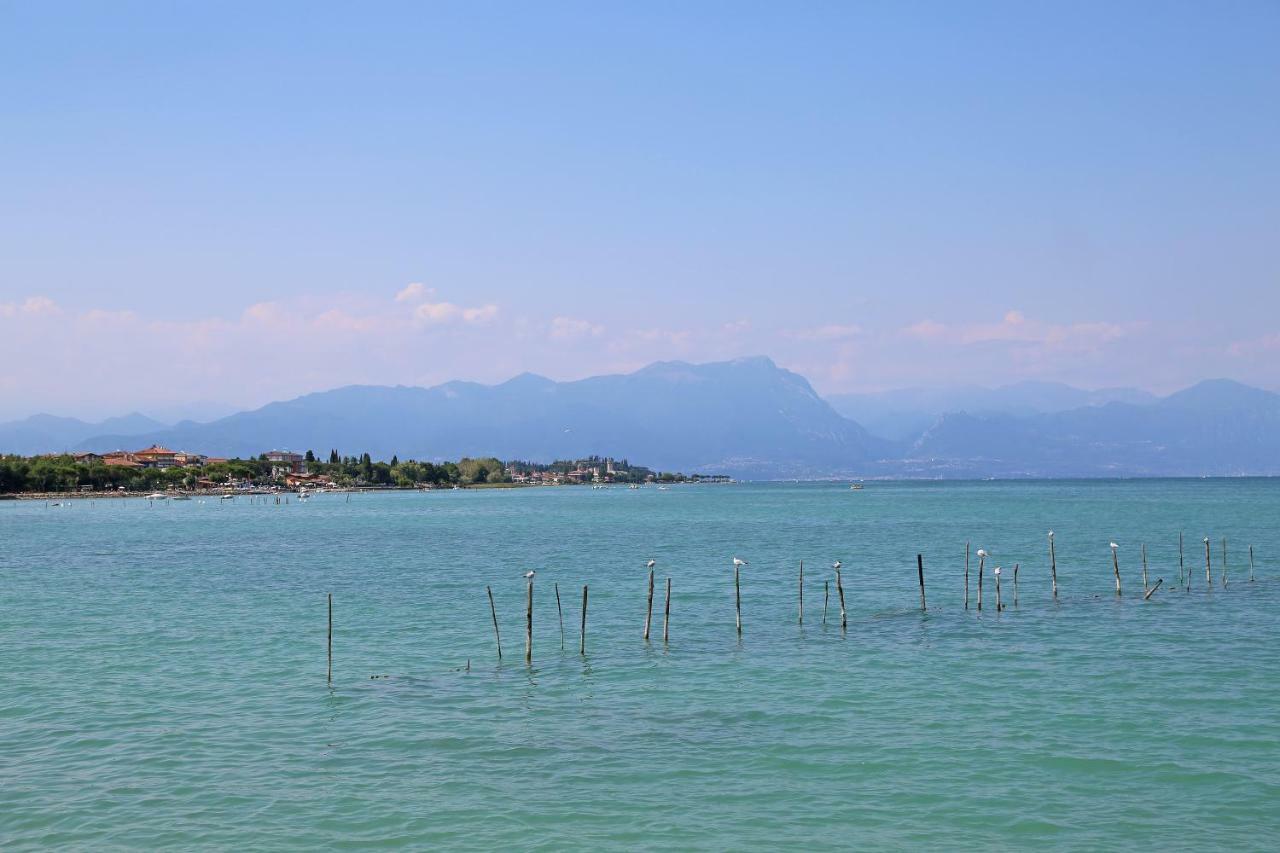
569 328
447 312
413 292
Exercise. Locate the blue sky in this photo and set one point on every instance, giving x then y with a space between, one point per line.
244 202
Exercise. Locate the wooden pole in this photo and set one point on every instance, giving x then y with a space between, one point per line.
737 599
330 675
1144 569
999 604
1053 566
1250 564
560 613
982 560
826 596
920 574
494 612
1208 570
666 614
1181 566
802 592
1115 563
1224 562
1153 589
966 575
844 617
1015 583
528 623
582 645
648 613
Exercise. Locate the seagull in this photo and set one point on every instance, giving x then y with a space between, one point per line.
997 571
651 564
1050 534
1206 540
981 552
836 565
737 562
1114 546
529 574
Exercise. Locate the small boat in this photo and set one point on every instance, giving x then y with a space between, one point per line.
857 487
182 497
227 498
157 496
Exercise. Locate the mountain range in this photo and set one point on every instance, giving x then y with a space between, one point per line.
747 417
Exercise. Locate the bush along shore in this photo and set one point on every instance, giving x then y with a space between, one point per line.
61 475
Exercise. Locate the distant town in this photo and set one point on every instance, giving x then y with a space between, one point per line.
159 469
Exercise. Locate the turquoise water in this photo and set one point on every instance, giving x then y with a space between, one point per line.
162 671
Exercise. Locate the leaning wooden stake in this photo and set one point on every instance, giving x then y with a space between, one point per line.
560 613
582 643
1250 564
1153 589
648 613
528 623
826 597
920 573
330 676
802 592
966 575
1115 563
1015 583
1144 569
737 599
999 605
497 638
844 617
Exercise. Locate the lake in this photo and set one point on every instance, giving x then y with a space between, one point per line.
163 670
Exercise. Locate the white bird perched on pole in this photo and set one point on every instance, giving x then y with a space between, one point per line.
836 565
1050 534
997 573
529 574
738 562
651 564
982 553
1114 546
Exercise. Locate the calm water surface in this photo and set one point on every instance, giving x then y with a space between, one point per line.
162 671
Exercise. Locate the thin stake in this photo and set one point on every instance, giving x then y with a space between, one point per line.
920 573
1181 566
1115 563
494 611
966 575
560 613
528 624
737 599
1144 569
826 596
982 561
330 675
1208 572
1153 589
999 605
1015 583
1250 564
1224 562
802 592
666 613
1053 566
648 613
844 617
582 646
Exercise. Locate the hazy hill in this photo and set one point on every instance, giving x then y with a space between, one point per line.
747 417
52 434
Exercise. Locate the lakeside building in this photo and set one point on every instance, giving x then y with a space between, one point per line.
287 462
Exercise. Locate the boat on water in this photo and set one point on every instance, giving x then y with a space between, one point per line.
157 496
182 497
227 497
857 487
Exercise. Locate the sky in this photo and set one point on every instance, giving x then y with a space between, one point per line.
219 205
